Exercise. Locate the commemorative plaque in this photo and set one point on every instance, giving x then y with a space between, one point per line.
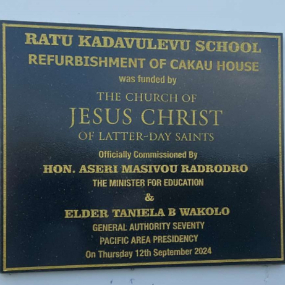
129 147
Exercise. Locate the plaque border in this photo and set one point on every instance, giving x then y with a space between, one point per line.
8 24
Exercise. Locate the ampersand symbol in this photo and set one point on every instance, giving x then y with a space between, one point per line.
149 198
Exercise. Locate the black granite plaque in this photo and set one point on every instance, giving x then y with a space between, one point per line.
126 147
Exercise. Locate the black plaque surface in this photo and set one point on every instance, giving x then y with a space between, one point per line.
126 147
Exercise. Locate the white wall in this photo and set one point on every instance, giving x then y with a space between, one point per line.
228 15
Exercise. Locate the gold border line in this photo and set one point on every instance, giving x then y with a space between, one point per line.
4 149
140 31
4 25
280 146
142 263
